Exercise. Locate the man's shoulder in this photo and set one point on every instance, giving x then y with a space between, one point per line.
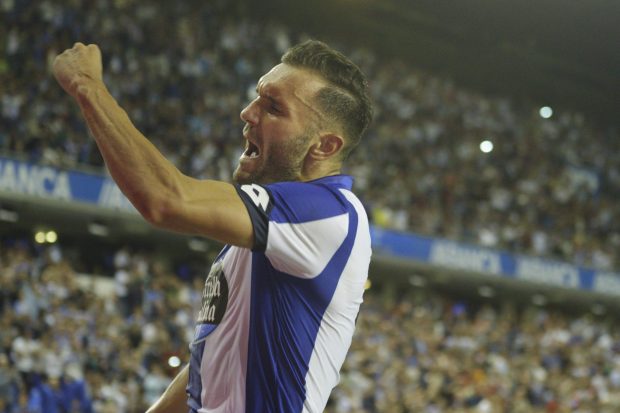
312 200
329 181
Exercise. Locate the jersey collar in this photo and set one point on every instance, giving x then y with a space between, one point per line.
341 181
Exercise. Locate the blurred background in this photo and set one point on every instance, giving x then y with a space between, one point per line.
491 176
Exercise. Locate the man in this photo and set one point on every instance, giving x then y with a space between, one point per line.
280 301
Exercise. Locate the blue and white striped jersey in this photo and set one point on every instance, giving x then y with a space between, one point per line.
277 321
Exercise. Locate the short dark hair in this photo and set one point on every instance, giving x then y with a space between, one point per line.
346 99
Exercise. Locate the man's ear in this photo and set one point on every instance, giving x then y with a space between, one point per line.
327 146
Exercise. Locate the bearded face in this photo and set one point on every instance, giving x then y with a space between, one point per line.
272 163
280 125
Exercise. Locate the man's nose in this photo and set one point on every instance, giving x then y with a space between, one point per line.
250 113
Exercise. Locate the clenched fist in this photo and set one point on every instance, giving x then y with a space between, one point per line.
78 66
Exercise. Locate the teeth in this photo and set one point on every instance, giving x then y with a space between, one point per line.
251 155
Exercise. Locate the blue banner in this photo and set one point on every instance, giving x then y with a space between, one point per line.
72 186
457 256
52 183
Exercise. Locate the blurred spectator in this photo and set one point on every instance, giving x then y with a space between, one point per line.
430 353
9 381
549 187
420 351
155 383
79 351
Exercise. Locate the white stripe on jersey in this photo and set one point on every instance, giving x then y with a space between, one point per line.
223 371
312 244
336 330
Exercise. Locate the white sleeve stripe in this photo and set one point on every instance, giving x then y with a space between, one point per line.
304 249
338 324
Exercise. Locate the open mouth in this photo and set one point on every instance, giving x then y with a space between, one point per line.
251 151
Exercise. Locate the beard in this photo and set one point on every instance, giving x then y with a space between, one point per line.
282 163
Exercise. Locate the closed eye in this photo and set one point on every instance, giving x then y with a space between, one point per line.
274 109
271 105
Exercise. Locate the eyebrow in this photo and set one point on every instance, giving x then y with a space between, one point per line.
282 103
269 95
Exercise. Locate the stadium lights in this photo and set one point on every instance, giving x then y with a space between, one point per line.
545 112
51 237
486 146
39 237
174 361
42 237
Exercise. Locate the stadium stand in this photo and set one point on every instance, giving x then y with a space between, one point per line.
72 342
103 344
550 187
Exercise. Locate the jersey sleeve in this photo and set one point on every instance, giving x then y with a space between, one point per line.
299 226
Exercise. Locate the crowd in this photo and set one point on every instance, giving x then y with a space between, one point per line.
69 345
183 71
424 352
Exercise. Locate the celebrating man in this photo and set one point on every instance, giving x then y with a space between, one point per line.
280 300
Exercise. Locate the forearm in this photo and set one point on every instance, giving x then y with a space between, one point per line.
143 174
174 399
158 190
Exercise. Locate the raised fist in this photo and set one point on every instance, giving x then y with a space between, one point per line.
78 66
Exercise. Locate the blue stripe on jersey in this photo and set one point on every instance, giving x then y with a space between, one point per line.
194 383
285 317
310 204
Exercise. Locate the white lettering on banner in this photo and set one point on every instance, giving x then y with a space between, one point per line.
27 179
537 270
607 283
452 255
112 197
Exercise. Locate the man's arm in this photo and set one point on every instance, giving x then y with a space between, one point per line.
174 399
158 190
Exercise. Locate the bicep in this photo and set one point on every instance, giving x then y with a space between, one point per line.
209 208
